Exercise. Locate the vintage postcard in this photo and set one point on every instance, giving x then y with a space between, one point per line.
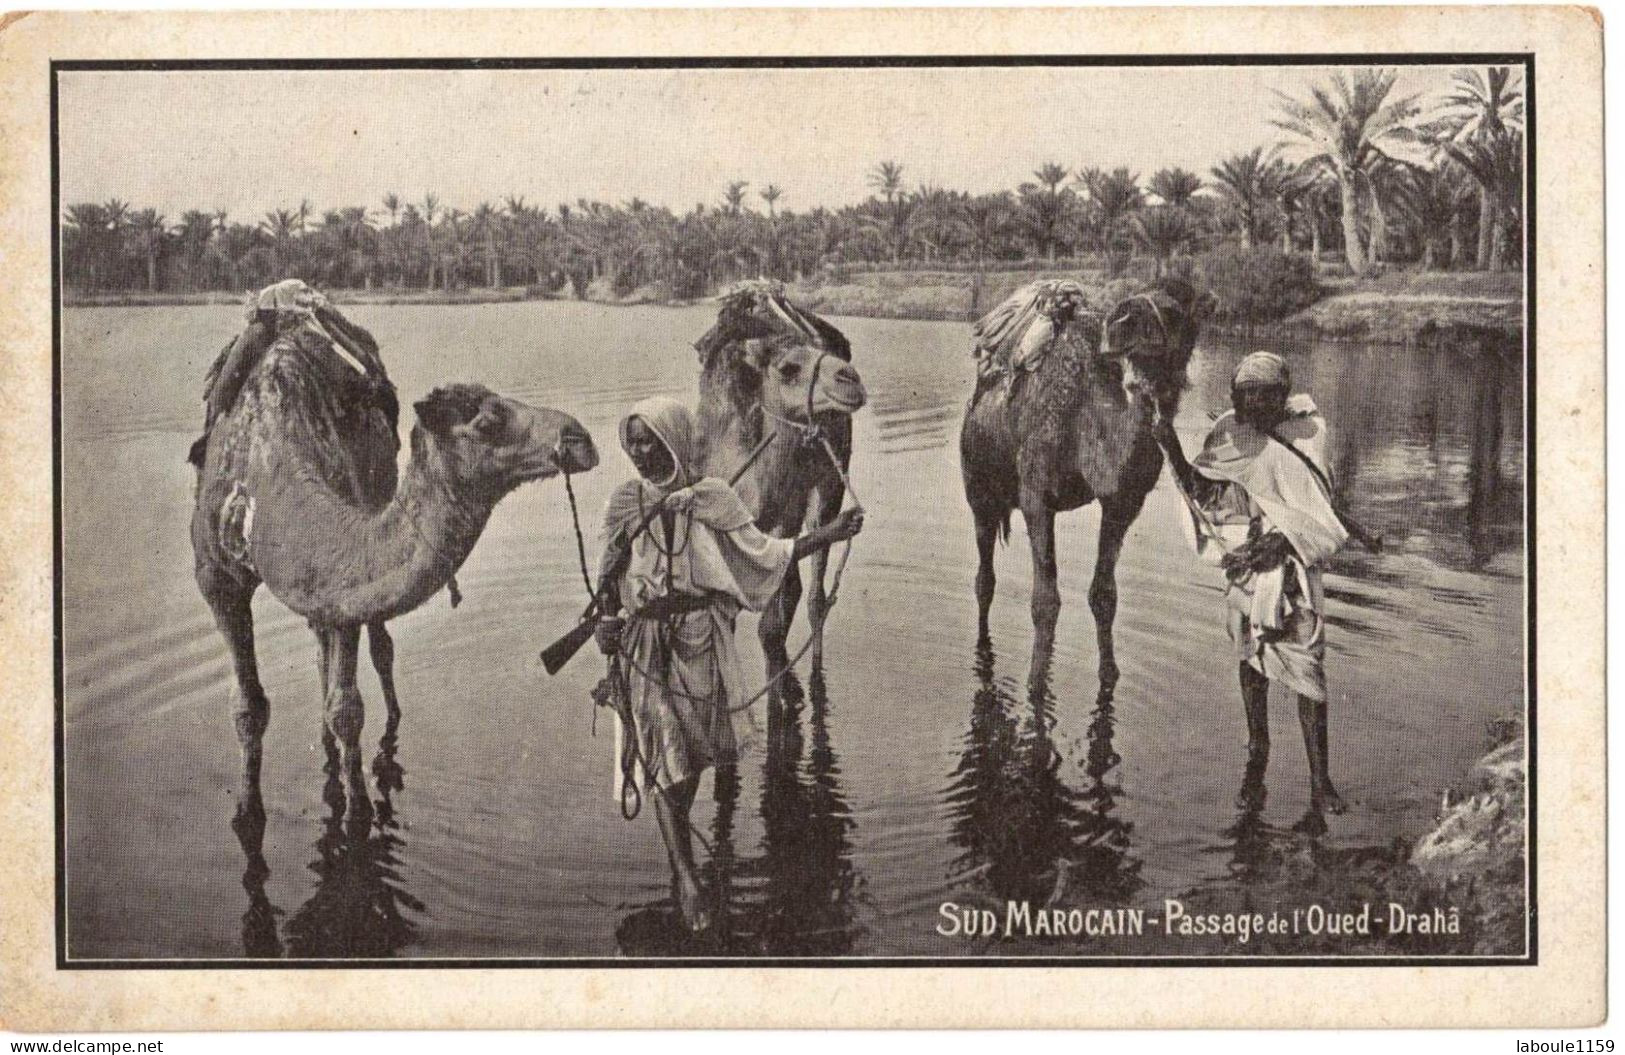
959 517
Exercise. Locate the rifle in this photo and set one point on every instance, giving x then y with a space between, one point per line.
560 652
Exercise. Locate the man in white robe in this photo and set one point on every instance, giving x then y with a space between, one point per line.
1258 503
682 581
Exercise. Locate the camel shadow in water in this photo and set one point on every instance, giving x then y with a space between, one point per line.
1024 832
801 894
359 908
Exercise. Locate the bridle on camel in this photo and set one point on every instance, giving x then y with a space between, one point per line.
1156 313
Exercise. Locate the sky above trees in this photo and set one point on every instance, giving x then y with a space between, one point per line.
249 142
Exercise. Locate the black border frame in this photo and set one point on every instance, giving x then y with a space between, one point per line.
1524 60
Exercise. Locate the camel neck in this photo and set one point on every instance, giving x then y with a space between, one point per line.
347 566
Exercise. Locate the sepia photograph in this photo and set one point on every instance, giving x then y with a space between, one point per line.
539 513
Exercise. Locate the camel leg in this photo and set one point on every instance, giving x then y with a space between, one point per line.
344 715
774 629
987 537
1046 602
251 711
382 647
1114 522
829 507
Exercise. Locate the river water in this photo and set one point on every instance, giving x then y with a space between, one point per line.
919 771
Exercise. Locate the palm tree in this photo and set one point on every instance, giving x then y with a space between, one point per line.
281 225
488 223
1346 126
1427 201
986 219
1250 182
431 205
1112 197
1175 186
771 194
358 239
1483 108
887 178
1496 166
148 228
86 242
1162 230
452 272
733 196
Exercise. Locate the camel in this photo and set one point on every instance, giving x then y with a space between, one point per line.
767 365
297 490
1062 417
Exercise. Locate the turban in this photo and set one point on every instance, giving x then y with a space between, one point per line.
1263 368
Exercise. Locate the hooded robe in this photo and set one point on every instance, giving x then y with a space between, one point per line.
1275 617
683 669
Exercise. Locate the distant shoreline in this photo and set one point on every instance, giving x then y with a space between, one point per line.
1390 309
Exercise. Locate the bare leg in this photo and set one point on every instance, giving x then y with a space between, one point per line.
1046 602
1312 716
1114 524
672 806
382 647
1255 698
344 709
987 535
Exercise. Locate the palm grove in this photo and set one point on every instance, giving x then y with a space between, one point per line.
1358 173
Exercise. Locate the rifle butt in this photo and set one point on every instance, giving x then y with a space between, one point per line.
560 652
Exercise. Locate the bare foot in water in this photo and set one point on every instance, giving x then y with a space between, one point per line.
691 902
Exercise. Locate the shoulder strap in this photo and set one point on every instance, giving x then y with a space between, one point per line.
1310 462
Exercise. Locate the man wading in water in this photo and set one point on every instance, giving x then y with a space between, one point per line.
1264 512
682 582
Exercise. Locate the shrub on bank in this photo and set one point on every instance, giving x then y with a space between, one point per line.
1261 284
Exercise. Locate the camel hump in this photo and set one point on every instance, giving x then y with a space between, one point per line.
328 416
759 309
1016 334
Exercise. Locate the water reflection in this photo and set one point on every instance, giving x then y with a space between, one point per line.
359 907
1025 833
797 897
1426 439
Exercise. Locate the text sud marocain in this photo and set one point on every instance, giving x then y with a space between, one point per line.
1021 918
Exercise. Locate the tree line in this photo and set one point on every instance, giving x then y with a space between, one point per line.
1356 171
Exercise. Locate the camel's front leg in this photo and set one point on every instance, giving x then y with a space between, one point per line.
1046 603
344 714
774 629
829 507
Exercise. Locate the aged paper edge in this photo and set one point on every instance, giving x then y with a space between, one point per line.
1566 988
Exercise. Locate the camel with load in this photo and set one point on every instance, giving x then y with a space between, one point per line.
297 489
1061 417
767 366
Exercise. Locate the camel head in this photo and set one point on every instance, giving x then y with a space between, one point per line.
1153 334
765 351
799 381
488 444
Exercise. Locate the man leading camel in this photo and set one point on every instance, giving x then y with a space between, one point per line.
1263 510
682 581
